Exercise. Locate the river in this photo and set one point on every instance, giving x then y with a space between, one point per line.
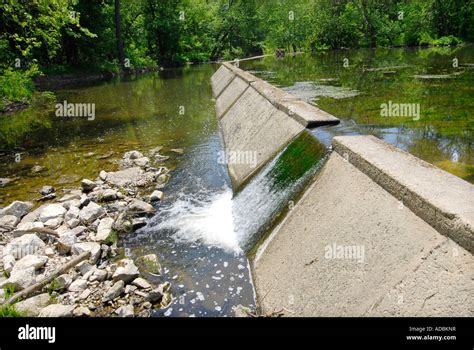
203 232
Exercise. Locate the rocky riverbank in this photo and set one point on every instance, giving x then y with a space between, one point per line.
85 222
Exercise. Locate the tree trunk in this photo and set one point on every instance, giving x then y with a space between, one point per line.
118 34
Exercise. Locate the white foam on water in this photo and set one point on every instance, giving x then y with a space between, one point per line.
208 221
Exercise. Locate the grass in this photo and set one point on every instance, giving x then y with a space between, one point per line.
9 310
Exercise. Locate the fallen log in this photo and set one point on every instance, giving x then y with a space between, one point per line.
35 287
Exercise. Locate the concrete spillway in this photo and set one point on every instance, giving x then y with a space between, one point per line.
257 120
378 232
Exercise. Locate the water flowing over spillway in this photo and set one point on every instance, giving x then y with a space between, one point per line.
203 230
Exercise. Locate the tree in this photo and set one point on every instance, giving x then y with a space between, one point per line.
118 34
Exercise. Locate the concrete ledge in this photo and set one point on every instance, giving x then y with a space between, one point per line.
444 201
304 113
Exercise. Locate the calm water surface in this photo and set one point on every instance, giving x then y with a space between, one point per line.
203 231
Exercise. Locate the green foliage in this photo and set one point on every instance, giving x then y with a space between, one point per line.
9 310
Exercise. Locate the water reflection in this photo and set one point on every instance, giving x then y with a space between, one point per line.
355 91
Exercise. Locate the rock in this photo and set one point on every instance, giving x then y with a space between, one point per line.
20 279
94 225
35 261
70 197
45 190
66 241
62 282
72 213
115 291
125 311
49 252
9 221
126 271
37 169
32 306
177 150
84 202
101 275
87 185
139 206
46 197
73 223
107 195
104 229
85 267
131 177
156 196
92 247
142 162
22 228
85 294
91 213
149 263
82 311
78 285
155 296
51 212
57 310
141 283
53 223
17 208
138 222
4 181
79 230
8 263
132 155
103 175
24 245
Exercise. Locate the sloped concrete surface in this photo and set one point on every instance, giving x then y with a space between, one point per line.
253 127
443 200
258 119
408 268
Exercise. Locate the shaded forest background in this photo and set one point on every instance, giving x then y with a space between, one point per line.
68 36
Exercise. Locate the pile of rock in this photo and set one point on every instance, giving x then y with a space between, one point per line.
35 243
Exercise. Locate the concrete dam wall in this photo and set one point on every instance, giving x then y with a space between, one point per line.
377 232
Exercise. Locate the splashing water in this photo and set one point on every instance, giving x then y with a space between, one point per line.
205 220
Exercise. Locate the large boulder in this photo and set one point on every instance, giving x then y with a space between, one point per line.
52 212
90 213
126 271
24 245
57 310
17 208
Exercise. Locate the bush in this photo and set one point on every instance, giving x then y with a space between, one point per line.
17 85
